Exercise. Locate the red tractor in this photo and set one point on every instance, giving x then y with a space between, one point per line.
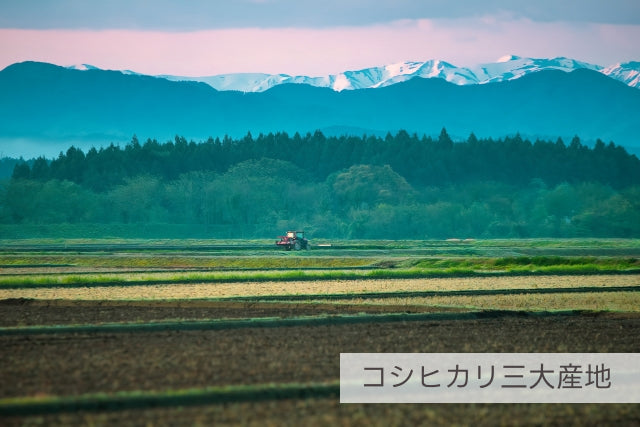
293 240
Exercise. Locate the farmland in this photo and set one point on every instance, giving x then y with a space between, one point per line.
202 332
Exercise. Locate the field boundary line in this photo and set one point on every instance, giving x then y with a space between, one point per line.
272 322
180 397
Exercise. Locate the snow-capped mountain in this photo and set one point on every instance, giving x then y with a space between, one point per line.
509 67
512 67
628 72
396 73
242 82
360 79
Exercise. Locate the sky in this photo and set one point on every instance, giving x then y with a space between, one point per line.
311 37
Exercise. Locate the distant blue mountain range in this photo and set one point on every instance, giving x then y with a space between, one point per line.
46 108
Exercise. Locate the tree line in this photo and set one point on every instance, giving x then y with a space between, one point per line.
423 161
400 186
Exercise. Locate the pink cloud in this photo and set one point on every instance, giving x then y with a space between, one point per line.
320 51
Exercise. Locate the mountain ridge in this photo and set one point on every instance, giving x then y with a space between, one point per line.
506 68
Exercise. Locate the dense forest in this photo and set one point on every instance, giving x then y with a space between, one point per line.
400 186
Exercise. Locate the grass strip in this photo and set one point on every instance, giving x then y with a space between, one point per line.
20 277
269 322
181 397
293 276
204 261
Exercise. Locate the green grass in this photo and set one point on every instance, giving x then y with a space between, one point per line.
162 260
561 243
70 280
228 261
520 262
255 254
478 245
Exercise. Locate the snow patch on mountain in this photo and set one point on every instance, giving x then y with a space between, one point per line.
341 83
82 67
89 67
627 72
508 58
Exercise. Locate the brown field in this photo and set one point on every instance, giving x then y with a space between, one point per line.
317 287
72 364
329 412
614 301
61 312
261 338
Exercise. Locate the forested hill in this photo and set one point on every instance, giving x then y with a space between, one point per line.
422 161
398 187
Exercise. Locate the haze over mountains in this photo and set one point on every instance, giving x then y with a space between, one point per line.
46 108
